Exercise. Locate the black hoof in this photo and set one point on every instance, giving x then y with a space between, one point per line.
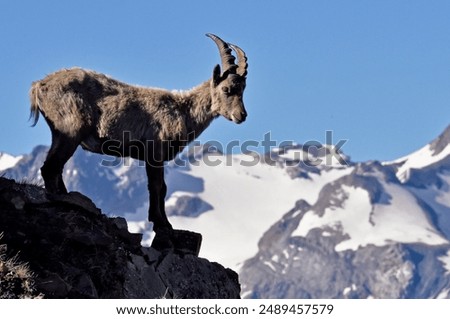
163 240
178 241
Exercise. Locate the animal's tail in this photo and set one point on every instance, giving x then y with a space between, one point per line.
35 99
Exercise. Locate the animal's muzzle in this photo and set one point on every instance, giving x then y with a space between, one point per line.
238 118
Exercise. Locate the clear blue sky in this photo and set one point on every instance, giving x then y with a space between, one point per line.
375 72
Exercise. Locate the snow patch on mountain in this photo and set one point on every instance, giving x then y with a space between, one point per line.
444 294
445 259
435 151
419 159
247 200
8 161
364 223
327 156
437 197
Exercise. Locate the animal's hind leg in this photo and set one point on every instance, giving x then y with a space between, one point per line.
61 150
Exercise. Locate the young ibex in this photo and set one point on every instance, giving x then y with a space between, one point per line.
90 109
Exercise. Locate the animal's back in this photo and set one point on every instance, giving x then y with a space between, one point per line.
82 102
68 98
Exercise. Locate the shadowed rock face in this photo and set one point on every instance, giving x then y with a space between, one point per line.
441 141
75 251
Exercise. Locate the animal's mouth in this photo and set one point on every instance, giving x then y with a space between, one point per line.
237 119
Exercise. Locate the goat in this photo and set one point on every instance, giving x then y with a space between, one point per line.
86 108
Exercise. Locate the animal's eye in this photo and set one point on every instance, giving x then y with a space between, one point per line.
226 89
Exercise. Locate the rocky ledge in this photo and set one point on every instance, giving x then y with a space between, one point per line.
69 249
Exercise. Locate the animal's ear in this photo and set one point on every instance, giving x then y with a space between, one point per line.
216 75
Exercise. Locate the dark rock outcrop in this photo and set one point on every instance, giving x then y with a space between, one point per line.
75 251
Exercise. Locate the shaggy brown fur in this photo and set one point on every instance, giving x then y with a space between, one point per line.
107 116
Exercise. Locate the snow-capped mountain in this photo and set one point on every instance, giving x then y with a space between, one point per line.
295 224
365 236
382 231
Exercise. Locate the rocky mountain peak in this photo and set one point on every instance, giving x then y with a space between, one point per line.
441 142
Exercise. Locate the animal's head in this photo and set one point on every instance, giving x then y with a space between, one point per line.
227 85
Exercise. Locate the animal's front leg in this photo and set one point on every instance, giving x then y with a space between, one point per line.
157 189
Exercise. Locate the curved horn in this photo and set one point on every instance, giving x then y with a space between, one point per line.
242 60
225 54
